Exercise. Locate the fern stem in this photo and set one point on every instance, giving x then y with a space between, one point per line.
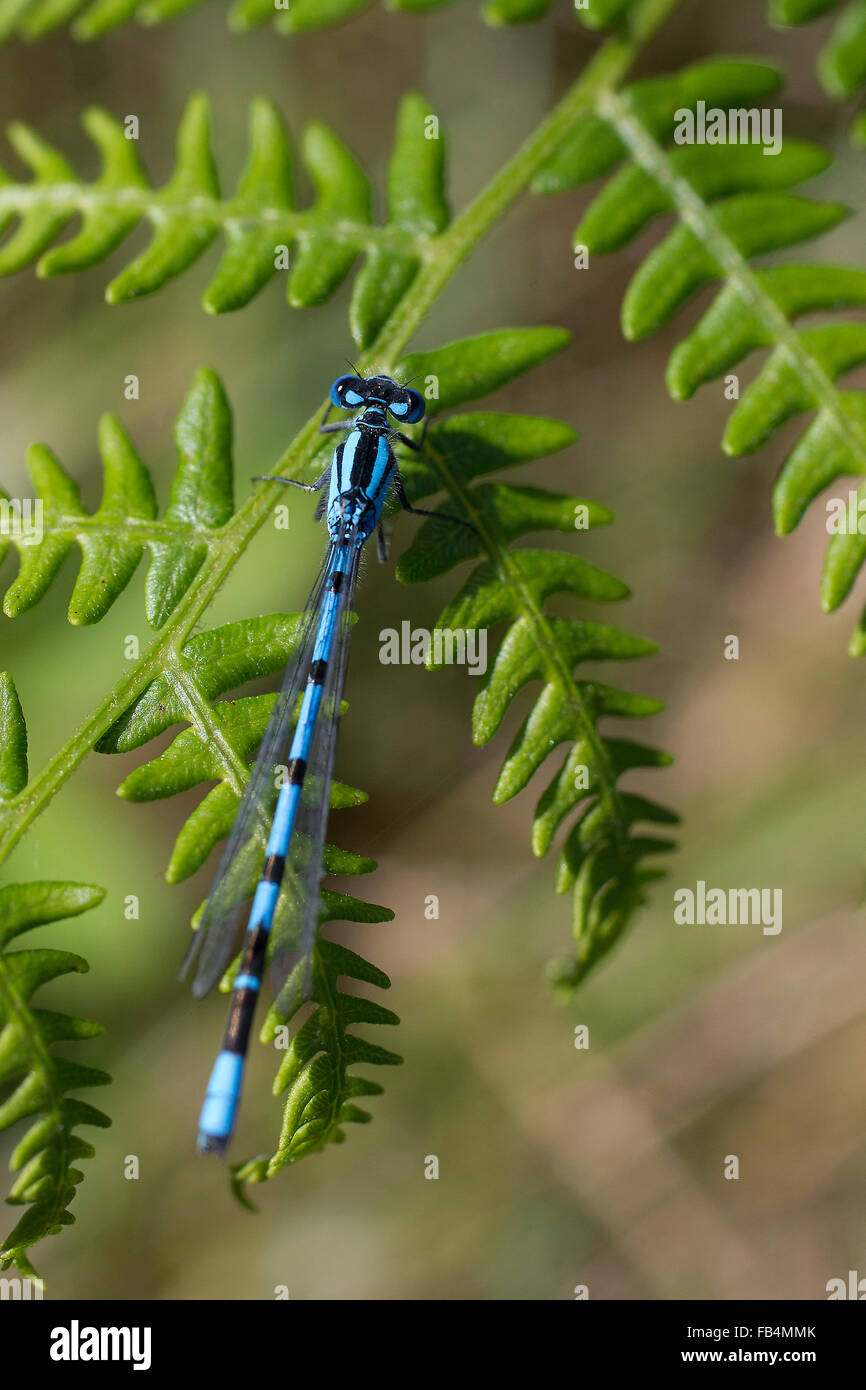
654 159
608 67
200 714
67 199
129 527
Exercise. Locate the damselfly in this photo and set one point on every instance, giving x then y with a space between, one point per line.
274 854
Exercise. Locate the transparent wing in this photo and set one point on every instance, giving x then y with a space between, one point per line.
297 915
224 915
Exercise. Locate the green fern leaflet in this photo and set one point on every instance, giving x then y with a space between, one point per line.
263 229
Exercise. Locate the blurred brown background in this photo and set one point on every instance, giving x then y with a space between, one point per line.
558 1167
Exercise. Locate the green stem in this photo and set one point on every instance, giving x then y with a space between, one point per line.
68 199
444 255
127 528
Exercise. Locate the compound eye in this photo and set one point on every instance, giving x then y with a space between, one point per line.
347 392
409 405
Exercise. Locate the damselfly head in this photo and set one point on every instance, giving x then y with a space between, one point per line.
353 392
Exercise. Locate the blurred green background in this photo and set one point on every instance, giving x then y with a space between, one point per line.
557 1167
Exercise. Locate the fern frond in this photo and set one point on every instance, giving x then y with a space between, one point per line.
113 539
733 205
38 1082
603 858
261 224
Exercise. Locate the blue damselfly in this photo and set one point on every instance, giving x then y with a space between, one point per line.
273 856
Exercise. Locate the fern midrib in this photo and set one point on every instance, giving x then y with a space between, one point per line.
41 1064
557 672
127 528
201 716
654 159
337 1051
70 198
609 66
